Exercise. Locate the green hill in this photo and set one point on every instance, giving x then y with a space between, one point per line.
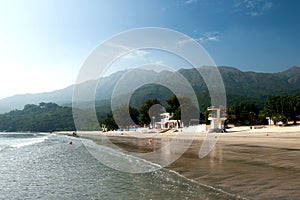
240 87
45 117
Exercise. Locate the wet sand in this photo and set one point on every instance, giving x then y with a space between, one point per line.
254 172
255 164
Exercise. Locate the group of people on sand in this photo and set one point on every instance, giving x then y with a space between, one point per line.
74 134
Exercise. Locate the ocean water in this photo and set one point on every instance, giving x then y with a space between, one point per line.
46 166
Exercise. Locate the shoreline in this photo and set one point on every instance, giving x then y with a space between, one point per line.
250 163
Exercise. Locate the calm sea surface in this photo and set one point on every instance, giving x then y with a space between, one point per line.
45 166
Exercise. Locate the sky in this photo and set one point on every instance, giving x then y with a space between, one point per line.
43 43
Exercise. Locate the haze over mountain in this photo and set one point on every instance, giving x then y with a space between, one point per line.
240 86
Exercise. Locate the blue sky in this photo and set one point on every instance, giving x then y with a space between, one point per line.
43 43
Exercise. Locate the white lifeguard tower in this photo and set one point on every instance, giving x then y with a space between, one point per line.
167 123
217 117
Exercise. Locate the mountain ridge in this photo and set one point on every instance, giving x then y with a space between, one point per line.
252 85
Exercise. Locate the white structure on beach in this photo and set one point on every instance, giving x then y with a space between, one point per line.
217 117
167 123
270 121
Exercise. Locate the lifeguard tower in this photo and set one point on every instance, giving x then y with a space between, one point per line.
167 123
217 117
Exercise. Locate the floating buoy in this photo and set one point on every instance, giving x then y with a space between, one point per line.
70 142
150 141
267 134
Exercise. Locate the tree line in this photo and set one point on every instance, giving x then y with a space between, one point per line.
149 112
277 108
45 117
49 117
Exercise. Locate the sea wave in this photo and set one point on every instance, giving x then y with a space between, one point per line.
118 160
28 142
124 162
234 196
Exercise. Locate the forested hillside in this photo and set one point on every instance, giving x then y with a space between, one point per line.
240 87
45 117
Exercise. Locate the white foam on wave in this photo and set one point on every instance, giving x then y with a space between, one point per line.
206 186
129 163
28 142
118 160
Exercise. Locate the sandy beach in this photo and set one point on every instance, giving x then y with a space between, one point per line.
258 163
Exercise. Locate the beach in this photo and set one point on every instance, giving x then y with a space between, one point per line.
258 163
46 166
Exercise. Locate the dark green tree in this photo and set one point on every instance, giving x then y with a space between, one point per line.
282 108
109 122
292 109
243 114
173 107
144 118
126 116
177 106
296 108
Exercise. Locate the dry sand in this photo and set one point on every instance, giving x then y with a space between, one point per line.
253 163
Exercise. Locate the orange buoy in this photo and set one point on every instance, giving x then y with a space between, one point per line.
70 142
150 141
267 134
